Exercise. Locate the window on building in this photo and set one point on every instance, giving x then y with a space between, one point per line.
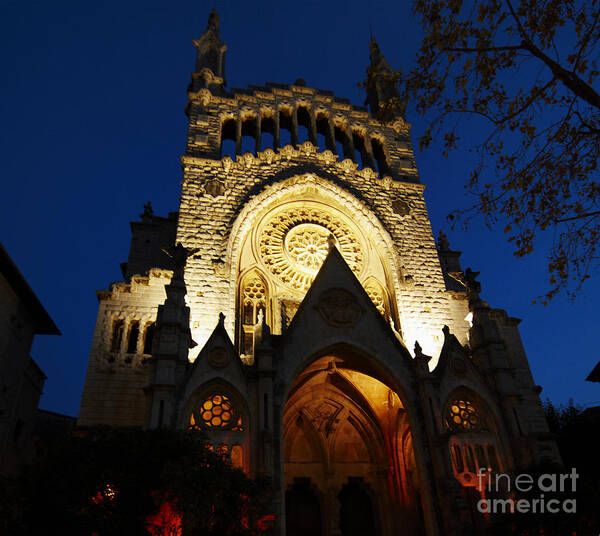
117 335
148 338
249 135
253 304
228 137
237 456
303 124
323 132
342 143
267 133
462 415
379 154
457 459
361 152
285 127
132 340
216 412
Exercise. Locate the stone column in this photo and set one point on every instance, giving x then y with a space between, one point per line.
330 136
312 131
238 135
369 151
258 134
349 143
276 133
294 133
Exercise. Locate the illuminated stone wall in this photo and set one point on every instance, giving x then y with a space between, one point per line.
258 223
113 391
217 193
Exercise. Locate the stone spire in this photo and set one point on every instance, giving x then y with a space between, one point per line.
382 83
171 343
210 51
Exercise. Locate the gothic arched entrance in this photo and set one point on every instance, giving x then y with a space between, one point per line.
303 510
347 439
356 511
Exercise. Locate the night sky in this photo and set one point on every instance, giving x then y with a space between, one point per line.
91 102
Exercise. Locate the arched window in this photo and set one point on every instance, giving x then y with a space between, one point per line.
473 444
462 416
221 416
148 338
132 339
303 117
228 138
249 135
379 154
117 335
253 307
285 127
216 412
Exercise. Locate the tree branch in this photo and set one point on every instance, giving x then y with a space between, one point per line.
579 217
485 49
573 82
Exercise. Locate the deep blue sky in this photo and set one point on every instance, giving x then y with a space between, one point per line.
92 125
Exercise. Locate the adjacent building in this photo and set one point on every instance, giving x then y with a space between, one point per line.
22 316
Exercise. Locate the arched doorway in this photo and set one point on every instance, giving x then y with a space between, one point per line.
356 511
347 434
303 510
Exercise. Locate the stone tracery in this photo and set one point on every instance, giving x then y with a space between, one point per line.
294 242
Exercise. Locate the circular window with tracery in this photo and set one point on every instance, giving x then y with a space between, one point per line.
294 241
217 412
463 416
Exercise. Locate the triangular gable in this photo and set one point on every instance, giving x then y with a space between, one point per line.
219 353
455 366
337 298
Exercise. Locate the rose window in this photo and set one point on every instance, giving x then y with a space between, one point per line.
294 242
463 416
216 412
307 245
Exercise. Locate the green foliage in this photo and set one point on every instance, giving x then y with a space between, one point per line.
528 73
111 481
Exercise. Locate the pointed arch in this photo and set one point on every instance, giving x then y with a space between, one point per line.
220 411
475 440
253 299
311 184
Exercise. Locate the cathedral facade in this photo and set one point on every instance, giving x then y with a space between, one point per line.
297 310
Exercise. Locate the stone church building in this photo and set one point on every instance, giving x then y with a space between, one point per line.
298 310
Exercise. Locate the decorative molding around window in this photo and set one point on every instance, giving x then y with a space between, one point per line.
252 304
217 412
462 416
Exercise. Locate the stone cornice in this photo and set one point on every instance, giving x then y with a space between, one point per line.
306 150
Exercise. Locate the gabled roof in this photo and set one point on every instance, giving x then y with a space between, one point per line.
43 324
219 335
335 273
594 376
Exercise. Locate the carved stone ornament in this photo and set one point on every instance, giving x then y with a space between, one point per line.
325 417
308 148
348 166
339 308
400 207
204 96
219 357
226 162
214 188
294 243
459 367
